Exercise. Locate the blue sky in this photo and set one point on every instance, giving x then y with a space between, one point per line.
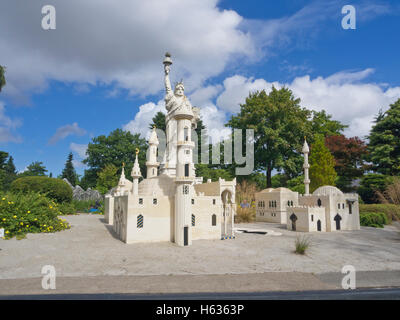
101 68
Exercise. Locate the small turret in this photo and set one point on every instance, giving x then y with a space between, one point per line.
136 174
152 164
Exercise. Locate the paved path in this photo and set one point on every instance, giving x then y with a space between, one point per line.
162 284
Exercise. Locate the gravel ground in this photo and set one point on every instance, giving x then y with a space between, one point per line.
90 249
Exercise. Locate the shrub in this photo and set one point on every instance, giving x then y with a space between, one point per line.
302 243
392 193
29 213
245 215
53 188
67 208
391 211
373 219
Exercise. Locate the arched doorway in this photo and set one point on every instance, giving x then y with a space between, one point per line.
293 218
319 225
227 214
337 218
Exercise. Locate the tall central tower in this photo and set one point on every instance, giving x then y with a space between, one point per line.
184 177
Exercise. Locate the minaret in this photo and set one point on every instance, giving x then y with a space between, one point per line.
152 164
136 174
184 177
306 166
122 180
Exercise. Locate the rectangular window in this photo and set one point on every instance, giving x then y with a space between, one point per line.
155 201
185 189
312 217
192 201
213 201
140 200
338 205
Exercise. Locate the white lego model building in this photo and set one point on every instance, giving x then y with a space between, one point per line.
173 205
327 209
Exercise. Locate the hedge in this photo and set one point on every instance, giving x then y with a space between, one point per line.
373 219
55 189
392 211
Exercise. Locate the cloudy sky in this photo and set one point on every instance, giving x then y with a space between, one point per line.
101 68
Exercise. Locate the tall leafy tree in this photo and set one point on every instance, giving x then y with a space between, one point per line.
116 148
107 178
384 141
322 165
2 77
10 173
279 125
34 169
349 154
69 172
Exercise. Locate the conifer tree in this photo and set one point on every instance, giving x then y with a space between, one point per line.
322 165
69 170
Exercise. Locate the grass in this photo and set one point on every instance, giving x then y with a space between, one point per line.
245 193
302 243
392 211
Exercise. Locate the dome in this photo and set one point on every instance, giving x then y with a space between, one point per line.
267 190
328 191
162 185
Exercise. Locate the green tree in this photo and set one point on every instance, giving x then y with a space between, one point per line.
384 141
2 77
34 169
107 178
10 173
322 123
158 121
279 125
203 170
69 171
322 165
116 148
370 184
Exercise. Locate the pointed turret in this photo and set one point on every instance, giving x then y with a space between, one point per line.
306 166
122 181
136 174
152 164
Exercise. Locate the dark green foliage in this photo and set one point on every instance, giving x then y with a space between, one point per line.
391 211
323 124
158 121
203 170
53 188
34 169
116 148
370 184
373 219
8 172
384 141
296 184
69 171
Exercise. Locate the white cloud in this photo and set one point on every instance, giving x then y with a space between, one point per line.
8 126
143 118
65 131
123 44
342 94
80 149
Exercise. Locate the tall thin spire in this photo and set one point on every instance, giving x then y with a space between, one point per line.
306 166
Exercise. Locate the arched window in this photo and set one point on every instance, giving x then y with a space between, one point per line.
319 202
288 203
291 203
140 221
275 204
213 220
193 220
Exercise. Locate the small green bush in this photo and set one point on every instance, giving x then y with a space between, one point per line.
302 244
67 208
53 188
392 211
373 219
29 213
